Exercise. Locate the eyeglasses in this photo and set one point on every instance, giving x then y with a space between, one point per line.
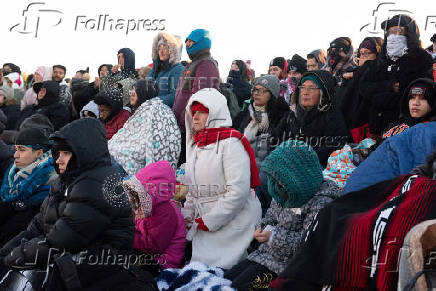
259 91
366 54
396 30
132 92
309 89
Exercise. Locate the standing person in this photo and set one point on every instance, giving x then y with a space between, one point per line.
201 73
110 107
315 121
257 122
296 68
296 184
123 73
26 182
401 61
82 215
41 74
65 96
221 208
150 135
166 69
238 78
48 104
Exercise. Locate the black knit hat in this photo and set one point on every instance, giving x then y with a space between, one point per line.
32 136
279 62
342 42
297 64
433 38
403 21
425 89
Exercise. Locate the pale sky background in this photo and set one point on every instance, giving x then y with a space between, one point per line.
255 30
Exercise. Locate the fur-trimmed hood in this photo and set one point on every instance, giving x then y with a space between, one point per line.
175 44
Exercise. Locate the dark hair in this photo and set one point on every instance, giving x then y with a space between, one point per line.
14 68
60 67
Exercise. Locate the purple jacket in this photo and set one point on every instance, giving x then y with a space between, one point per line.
201 73
162 233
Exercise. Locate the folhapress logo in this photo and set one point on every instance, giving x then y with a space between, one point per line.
36 16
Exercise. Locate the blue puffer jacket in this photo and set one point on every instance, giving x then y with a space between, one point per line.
397 155
167 74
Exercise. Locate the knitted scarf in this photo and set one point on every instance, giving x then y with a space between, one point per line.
22 184
259 122
212 135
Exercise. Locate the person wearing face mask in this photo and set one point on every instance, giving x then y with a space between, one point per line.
238 78
418 105
339 58
402 60
201 73
166 52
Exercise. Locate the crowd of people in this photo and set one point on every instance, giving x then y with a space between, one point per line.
171 176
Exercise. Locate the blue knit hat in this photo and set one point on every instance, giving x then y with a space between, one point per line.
294 173
202 41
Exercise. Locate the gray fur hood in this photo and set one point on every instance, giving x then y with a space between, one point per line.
175 44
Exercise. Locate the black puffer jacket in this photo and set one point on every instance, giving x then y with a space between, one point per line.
321 127
50 106
83 210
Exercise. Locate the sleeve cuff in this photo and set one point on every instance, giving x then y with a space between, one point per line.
201 224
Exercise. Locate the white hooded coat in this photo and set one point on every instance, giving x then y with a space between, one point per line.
219 189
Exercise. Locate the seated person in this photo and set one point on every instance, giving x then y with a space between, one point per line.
110 107
417 105
26 182
159 226
82 215
49 104
299 192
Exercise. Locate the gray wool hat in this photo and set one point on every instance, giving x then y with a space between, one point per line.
270 82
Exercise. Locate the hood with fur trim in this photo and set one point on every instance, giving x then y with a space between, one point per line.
174 43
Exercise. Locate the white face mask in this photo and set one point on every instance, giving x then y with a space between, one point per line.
396 46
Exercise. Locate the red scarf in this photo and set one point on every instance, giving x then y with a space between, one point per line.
212 135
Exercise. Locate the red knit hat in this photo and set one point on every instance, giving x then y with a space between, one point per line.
197 106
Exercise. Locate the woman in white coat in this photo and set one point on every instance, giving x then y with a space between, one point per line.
221 208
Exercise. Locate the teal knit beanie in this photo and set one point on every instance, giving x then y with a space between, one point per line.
294 173
314 79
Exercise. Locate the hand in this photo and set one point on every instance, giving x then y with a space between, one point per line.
115 68
97 82
38 77
348 75
188 222
262 236
396 87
